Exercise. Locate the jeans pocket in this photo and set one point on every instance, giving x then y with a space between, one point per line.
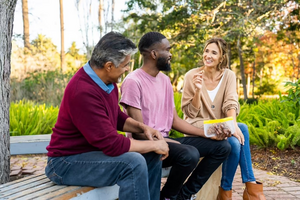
56 169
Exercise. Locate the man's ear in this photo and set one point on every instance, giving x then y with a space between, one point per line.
153 54
108 65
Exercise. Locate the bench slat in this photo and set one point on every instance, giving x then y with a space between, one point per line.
26 192
30 187
49 193
18 183
74 193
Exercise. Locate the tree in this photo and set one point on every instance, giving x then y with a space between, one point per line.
100 13
62 37
7 9
112 14
25 25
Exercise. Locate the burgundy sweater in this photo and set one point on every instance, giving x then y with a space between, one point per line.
88 120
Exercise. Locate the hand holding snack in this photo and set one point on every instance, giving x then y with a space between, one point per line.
198 80
219 129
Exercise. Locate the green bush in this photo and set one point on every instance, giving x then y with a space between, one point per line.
27 118
293 96
41 87
271 123
177 101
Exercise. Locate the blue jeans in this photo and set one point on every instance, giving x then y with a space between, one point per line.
240 154
138 176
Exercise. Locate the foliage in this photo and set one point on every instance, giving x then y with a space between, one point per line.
177 101
41 87
268 87
27 118
293 96
42 57
270 123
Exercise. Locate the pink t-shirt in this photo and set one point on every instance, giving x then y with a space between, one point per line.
153 95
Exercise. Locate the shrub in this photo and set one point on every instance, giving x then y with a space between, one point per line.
293 96
177 101
41 86
27 118
271 123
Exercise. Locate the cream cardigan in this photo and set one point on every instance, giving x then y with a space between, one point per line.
226 98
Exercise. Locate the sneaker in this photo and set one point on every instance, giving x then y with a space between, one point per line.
193 197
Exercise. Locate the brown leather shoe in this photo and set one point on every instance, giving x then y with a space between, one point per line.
254 191
224 195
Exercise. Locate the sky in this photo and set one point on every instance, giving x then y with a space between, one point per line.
44 18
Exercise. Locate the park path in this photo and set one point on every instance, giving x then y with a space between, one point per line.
275 187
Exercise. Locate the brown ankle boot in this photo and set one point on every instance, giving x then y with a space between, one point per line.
254 191
224 195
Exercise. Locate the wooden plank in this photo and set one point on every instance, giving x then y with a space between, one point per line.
73 193
30 186
21 182
49 192
26 192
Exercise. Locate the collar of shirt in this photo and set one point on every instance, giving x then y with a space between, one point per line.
107 88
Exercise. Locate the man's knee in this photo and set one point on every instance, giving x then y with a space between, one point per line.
135 161
190 155
224 148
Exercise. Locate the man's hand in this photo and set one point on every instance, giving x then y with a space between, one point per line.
162 148
152 134
222 132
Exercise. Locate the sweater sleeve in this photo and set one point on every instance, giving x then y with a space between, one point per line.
231 97
188 94
121 120
91 117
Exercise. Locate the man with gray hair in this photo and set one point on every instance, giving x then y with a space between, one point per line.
85 147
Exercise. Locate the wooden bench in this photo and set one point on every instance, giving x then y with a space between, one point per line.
40 187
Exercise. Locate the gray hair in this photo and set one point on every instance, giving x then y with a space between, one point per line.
113 47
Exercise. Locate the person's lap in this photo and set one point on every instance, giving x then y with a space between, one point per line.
96 169
183 159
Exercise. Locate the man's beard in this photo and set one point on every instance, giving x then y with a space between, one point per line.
163 64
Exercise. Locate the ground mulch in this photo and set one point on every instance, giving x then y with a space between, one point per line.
283 163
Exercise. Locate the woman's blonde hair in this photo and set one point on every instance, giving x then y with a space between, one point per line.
222 45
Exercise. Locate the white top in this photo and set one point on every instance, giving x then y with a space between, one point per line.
212 93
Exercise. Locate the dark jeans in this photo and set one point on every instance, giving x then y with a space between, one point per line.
184 158
138 176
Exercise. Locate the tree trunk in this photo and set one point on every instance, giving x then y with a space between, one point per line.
25 25
242 68
112 14
62 36
100 13
7 9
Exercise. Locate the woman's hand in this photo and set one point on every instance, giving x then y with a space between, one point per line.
222 132
239 135
198 80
